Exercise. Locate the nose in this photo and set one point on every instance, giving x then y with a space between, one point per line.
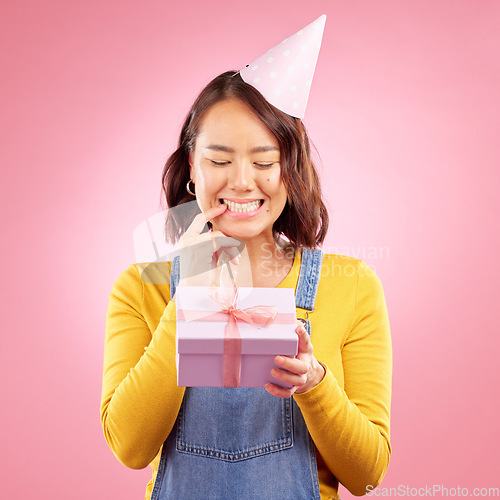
241 176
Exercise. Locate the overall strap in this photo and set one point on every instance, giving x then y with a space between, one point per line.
307 286
175 274
310 273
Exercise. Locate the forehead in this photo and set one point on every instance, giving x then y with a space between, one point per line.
232 123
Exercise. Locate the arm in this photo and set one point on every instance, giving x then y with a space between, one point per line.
351 427
140 398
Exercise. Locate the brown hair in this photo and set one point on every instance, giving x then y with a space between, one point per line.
304 220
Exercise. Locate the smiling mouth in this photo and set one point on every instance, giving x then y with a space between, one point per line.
250 206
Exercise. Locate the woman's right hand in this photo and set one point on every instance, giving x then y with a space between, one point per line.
202 255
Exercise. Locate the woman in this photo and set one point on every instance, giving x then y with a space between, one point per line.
248 166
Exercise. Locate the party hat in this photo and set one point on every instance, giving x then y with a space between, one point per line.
283 75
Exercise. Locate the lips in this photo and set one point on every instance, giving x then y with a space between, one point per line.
243 209
242 205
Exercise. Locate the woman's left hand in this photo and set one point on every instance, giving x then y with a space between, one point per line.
304 371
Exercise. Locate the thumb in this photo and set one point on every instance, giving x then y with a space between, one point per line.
304 341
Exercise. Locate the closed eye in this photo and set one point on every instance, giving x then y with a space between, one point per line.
260 165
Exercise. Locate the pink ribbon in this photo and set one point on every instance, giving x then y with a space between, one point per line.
227 298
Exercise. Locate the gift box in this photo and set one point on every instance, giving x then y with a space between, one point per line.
229 337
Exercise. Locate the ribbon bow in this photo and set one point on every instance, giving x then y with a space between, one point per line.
227 299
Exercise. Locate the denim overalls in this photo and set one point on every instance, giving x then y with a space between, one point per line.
241 443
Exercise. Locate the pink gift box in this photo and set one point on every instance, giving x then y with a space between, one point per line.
203 345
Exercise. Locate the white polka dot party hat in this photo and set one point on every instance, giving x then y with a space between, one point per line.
283 75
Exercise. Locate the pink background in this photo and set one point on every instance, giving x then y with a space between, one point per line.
404 110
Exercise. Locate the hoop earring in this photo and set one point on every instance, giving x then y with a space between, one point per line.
189 190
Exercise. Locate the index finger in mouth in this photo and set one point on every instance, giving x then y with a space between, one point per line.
201 219
213 212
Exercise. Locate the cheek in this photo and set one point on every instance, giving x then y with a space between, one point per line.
205 180
275 186
209 184
272 180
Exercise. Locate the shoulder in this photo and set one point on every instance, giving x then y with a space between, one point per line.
344 265
143 287
126 292
142 275
154 273
146 272
349 285
129 278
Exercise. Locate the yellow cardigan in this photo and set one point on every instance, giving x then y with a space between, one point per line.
347 414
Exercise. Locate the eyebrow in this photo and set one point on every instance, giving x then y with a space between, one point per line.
226 149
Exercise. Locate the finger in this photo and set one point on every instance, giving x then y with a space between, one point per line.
214 212
280 392
200 220
294 365
289 377
305 345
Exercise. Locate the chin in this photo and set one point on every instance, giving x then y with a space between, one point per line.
241 232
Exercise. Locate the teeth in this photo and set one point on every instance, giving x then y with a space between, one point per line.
242 207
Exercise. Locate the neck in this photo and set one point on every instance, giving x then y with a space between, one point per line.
259 249
270 262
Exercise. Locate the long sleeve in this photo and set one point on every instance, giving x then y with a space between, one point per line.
140 398
350 425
